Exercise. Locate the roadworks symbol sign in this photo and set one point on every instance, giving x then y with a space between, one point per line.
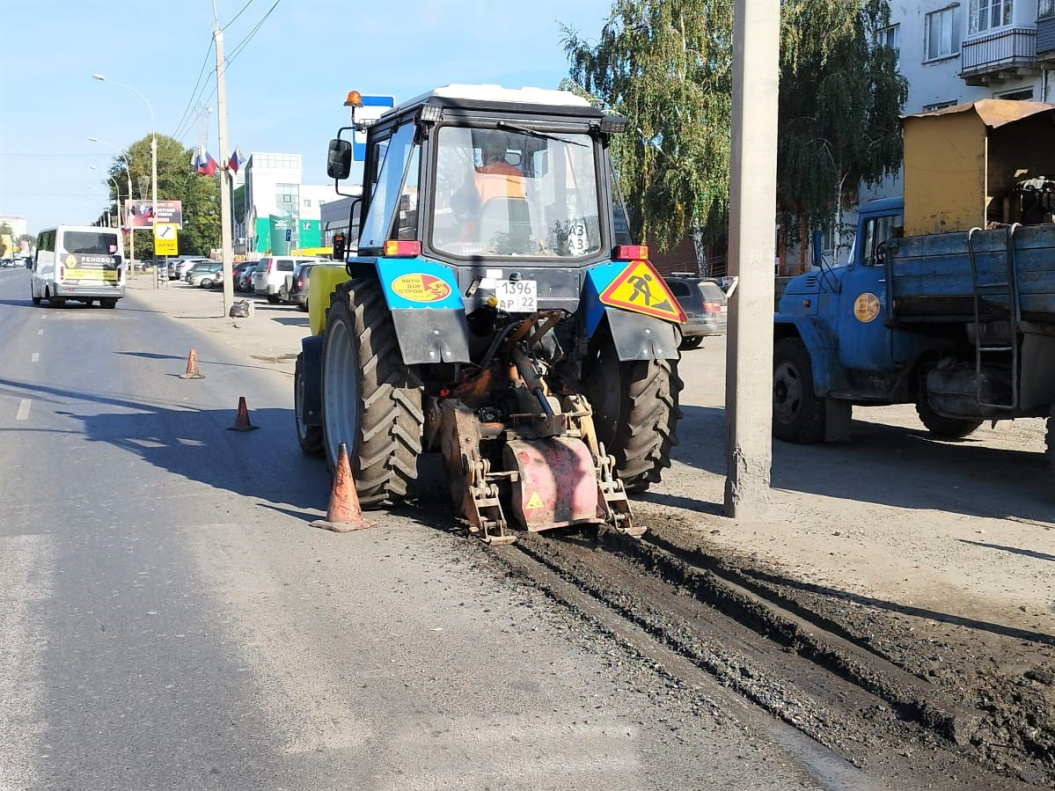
640 288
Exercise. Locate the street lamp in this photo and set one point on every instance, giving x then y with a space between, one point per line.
128 172
117 195
153 151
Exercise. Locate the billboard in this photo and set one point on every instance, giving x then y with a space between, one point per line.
170 211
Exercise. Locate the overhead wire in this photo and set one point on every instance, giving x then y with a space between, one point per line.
248 3
194 91
228 60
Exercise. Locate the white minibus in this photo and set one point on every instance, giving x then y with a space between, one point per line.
78 262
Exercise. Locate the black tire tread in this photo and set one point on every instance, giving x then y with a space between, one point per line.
389 441
812 428
647 429
941 426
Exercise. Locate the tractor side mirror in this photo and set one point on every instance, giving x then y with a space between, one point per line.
339 159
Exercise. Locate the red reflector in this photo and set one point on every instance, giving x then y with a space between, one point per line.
630 252
398 249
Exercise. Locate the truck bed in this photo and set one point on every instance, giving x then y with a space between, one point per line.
931 275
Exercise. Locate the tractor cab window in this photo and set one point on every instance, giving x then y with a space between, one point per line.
500 192
620 218
390 159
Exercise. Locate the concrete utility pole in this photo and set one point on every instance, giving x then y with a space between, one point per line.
225 174
752 220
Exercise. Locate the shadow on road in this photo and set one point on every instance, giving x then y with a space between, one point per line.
195 444
887 465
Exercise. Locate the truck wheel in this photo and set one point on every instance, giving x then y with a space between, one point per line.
109 302
691 343
35 300
371 400
1051 441
310 438
272 299
636 413
941 426
798 414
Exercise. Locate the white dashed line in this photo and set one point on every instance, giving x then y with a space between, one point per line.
40 332
23 409
35 358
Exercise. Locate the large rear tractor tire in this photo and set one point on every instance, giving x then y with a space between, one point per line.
941 426
636 413
798 413
310 438
371 401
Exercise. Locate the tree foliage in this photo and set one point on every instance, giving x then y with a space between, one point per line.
177 180
667 66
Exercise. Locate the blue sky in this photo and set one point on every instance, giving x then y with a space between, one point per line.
285 88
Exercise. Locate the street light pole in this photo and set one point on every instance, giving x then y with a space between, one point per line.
153 155
226 253
124 218
117 195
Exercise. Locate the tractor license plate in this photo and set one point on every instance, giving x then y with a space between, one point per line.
517 296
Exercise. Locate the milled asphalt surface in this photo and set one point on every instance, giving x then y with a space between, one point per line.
168 619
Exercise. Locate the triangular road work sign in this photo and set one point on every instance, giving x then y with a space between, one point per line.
641 288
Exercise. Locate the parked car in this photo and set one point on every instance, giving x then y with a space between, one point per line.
244 281
704 304
179 267
295 289
271 273
237 270
203 274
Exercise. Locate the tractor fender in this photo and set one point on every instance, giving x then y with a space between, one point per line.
639 337
822 345
311 371
426 308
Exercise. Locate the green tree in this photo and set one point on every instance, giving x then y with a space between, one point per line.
667 66
840 102
177 180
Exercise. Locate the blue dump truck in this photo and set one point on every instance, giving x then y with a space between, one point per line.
494 309
948 298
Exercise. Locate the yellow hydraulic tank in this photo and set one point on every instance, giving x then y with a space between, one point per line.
962 161
324 279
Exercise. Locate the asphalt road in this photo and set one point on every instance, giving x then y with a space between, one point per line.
168 619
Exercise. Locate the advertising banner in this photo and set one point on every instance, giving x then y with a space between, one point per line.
139 213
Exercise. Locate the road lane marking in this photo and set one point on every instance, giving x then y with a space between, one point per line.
40 332
35 358
27 568
23 409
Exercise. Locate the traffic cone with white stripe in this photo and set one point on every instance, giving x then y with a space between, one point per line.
344 513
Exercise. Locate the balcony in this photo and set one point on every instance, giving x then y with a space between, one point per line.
996 57
1046 41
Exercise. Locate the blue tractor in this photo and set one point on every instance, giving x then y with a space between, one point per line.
948 298
494 309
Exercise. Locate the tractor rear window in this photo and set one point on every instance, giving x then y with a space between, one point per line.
504 193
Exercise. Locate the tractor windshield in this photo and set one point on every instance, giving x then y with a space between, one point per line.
515 192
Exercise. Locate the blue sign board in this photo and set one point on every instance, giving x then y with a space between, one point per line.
373 108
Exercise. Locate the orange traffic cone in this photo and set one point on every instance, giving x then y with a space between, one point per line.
241 421
192 367
344 513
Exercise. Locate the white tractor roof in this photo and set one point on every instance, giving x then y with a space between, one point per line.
498 94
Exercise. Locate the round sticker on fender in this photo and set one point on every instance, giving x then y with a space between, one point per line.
866 307
420 288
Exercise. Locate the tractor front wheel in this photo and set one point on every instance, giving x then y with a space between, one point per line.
310 438
636 413
371 401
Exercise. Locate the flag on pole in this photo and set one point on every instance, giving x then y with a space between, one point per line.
236 160
203 162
